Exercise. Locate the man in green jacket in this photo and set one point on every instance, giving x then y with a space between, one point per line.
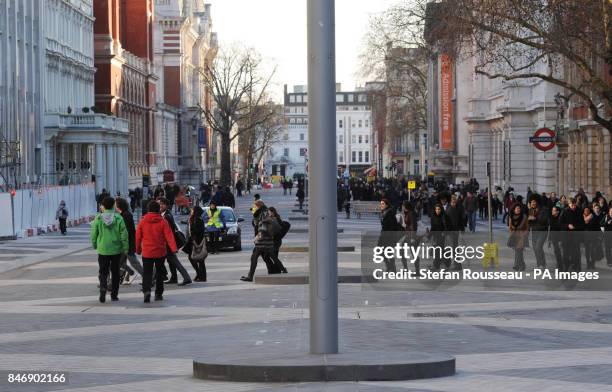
109 237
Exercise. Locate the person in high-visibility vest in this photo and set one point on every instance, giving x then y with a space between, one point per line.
214 222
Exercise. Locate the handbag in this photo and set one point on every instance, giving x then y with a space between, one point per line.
199 251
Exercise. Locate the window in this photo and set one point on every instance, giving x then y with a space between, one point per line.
360 156
292 121
360 139
299 98
340 138
302 152
292 98
341 156
286 152
360 123
362 98
301 137
367 139
367 156
350 97
302 110
353 139
353 156
339 98
340 124
367 123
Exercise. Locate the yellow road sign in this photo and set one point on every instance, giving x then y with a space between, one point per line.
411 184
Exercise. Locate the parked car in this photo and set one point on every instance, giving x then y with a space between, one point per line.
232 236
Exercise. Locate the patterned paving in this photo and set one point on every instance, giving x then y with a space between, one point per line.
50 320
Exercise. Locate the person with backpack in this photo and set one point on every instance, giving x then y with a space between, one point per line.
109 237
179 239
278 239
196 244
267 229
154 239
61 215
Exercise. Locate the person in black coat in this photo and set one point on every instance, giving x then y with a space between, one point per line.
556 235
123 208
538 224
573 224
196 233
278 237
389 230
439 226
456 223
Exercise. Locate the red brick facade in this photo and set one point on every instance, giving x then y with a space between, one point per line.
125 85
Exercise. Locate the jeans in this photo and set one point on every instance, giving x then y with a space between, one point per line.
472 220
538 238
267 255
131 257
147 276
175 262
109 264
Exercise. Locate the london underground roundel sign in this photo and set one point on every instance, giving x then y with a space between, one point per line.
543 139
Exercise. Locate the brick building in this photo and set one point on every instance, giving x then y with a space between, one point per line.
125 81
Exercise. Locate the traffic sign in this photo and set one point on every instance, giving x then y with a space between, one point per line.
411 184
543 139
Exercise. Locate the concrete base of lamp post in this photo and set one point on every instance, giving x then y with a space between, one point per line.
279 366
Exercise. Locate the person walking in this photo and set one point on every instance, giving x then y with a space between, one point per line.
300 195
109 238
519 235
573 224
278 238
606 224
61 215
409 221
456 221
538 225
389 227
556 236
439 226
214 221
267 229
470 205
123 208
196 240
179 239
154 239
592 227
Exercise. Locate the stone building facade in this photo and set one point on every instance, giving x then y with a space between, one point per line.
184 45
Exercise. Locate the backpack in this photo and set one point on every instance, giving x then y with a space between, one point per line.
285 227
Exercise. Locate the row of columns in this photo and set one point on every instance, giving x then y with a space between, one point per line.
111 168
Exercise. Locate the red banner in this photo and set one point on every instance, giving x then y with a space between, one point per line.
446 103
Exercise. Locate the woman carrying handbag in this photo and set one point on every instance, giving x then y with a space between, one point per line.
196 244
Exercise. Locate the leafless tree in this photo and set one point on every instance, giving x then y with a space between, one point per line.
255 142
565 42
396 52
239 87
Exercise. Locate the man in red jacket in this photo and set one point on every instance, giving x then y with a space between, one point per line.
153 237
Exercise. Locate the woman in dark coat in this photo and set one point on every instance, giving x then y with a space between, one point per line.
388 231
519 231
439 225
196 233
278 237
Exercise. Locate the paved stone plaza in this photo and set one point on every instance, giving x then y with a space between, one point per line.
503 341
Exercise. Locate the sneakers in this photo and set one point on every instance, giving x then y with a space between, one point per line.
246 279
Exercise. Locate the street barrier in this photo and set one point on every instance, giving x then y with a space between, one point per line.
33 210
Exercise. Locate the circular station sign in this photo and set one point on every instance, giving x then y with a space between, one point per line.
543 139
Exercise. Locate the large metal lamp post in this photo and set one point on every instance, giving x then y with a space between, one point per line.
323 256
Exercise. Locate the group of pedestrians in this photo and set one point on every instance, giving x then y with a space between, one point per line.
568 228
